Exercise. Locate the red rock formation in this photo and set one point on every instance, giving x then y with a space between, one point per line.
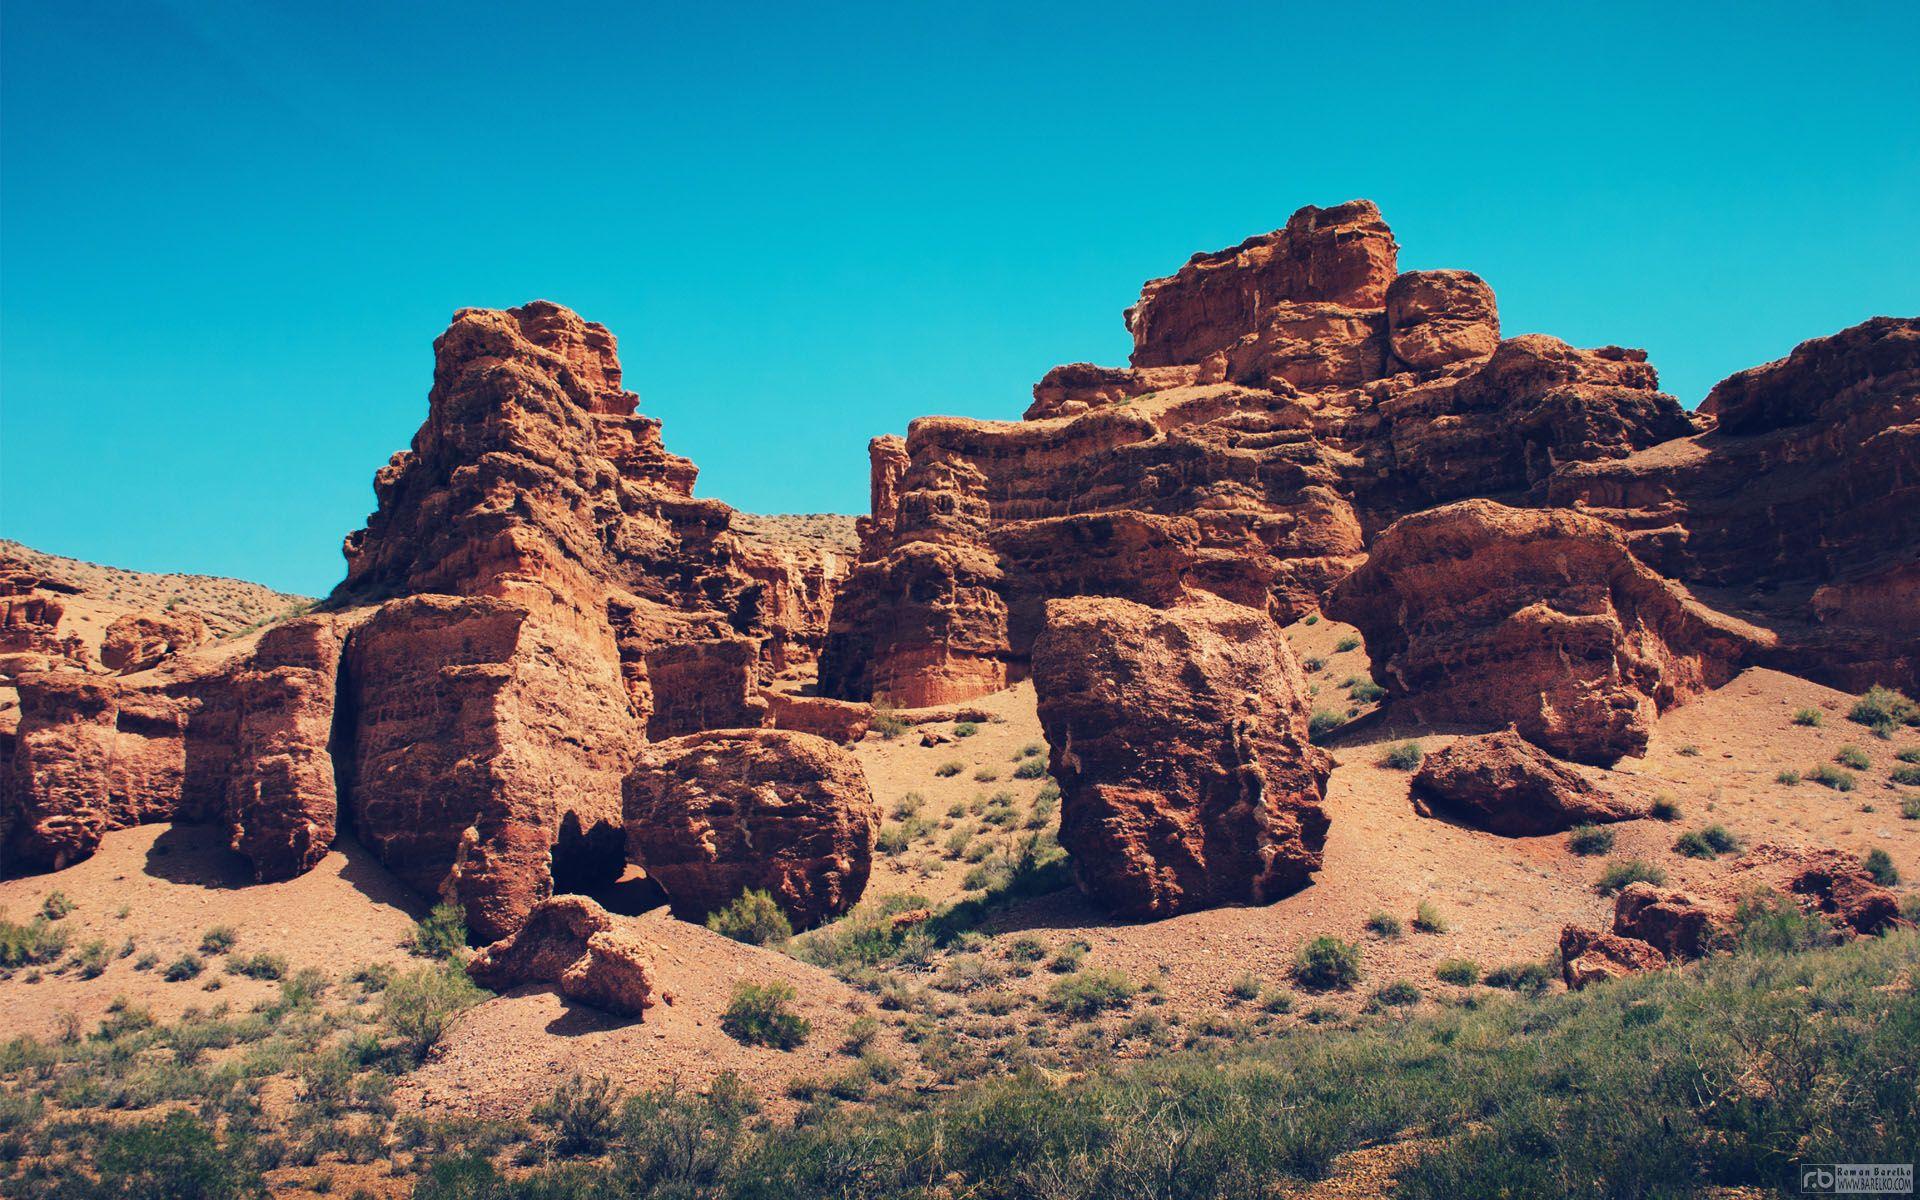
31 606
282 800
1834 883
571 942
842 721
1801 509
1287 397
1180 744
1678 924
715 814
1502 784
1589 956
1539 619
140 641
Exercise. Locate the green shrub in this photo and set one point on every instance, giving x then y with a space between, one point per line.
56 905
1326 964
218 940
1385 925
1621 872
1276 1000
1832 777
1404 757
1810 717
754 917
257 966
1323 722
1765 922
1531 978
1854 757
1089 993
1427 918
1463 972
1313 666
187 966
762 1015
442 933
581 1115
1908 754
887 722
1880 866
1664 808
419 1006
1881 709
986 775
1243 987
1033 768
1399 994
1589 840
38 941
178 1156
92 958
1367 692
1910 807
1787 777
1906 776
965 729
950 768
1710 842
1720 839
1345 644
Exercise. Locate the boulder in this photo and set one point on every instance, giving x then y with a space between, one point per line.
571 942
1837 885
1438 318
1503 784
1678 924
843 721
1179 739
715 814
1541 620
141 640
1590 956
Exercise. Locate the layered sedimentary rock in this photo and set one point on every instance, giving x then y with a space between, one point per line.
1503 784
141 641
1678 924
31 639
1287 398
1589 956
1537 618
1800 508
571 942
716 814
1179 739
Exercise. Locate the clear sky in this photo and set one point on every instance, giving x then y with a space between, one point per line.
230 229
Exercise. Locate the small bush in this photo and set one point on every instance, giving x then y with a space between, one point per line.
1908 754
38 941
1883 708
1313 666
1463 972
581 1115
1323 722
1787 777
1688 751
1910 807
1068 958
1311 619
1404 757
1621 872
1345 644
762 1015
1033 768
891 840
1399 993
965 729
1906 776
1428 919
218 940
887 722
1089 993
420 1005
1880 866
1765 922
754 917
1721 839
1326 964
1692 845
91 959
1855 757
1589 840
1243 987
1529 978
178 1156
1276 1000
1832 777
1664 808
442 933
258 966
947 770
187 966
56 905
1367 692
986 775
1810 717
1385 925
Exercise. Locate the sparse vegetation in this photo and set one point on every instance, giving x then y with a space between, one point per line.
1033 768
1398 994
419 1005
1906 776
1709 842
1345 644
761 1014
56 905
442 933
1427 918
1386 925
1882 709
1621 872
1809 717
1462 972
1832 777
1879 865
262 965
581 1116
753 917
1089 993
965 729
1853 757
1589 840
947 770
1404 757
36 942
1531 978
187 966
1665 809
1323 722
218 940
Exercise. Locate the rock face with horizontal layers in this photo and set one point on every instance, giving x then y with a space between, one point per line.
1179 738
1287 398
1799 509
571 942
716 814
1588 956
1541 619
140 641
1503 784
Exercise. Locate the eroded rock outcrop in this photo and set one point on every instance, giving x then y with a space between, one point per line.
1589 956
1678 924
1503 784
571 942
1541 619
1180 744
716 814
1836 884
141 641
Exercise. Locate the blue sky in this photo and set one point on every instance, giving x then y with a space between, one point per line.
229 232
